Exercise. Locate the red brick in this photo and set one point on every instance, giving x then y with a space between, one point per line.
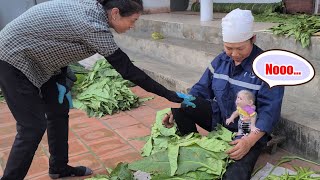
6 118
119 114
148 120
76 147
159 103
76 114
128 156
41 177
40 152
39 166
108 146
1 170
4 155
134 131
137 144
7 130
141 92
141 112
4 108
44 140
85 123
122 121
6 142
94 134
101 171
87 160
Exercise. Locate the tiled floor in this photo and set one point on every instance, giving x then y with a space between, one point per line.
101 143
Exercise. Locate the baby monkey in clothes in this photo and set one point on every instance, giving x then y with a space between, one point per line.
246 112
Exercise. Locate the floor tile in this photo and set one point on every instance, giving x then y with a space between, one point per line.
41 177
141 92
111 145
85 123
4 155
128 156
141 112
76 114
6 142
4 108
76 147
160 103
7 118
44 140
121 113
94 134
87 160
137 144
1 170
39 166
148 120
7 130
134 131
121 121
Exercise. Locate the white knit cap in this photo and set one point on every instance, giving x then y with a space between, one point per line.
237 26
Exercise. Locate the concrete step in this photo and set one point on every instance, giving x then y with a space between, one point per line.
190 53
186 25
173 76
301 126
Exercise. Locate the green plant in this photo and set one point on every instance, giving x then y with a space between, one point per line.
103 91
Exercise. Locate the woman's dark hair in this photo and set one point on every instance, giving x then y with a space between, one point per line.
126 7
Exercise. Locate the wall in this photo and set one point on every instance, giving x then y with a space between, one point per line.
10 9
156 6
293 6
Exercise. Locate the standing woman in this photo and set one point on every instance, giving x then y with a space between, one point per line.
35 50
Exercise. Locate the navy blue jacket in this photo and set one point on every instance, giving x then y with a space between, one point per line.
221 82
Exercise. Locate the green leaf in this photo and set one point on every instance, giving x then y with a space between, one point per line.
121 172
173 151
157 163
147 148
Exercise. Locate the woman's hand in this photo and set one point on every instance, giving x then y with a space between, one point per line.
241 148
168 120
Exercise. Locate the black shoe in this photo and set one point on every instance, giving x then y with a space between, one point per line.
69 171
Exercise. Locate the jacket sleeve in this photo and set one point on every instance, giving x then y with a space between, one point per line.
123 65
203 87
269 103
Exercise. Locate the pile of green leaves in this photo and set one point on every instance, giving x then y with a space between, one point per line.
121 172
301 27
169 156
103 91
302 173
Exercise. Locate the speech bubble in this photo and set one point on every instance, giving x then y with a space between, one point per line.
283 68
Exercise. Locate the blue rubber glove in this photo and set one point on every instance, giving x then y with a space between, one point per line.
187 99
62 92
